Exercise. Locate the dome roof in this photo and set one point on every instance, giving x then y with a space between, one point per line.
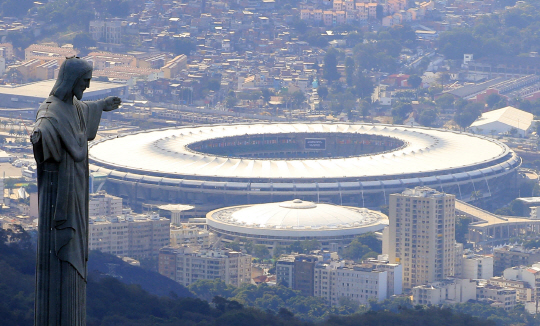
298 214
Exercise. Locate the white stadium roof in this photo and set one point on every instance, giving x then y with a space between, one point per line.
297 218
165 153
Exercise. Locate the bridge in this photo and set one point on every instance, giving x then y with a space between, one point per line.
487 229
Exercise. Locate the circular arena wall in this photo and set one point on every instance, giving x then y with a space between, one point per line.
284 223
236 164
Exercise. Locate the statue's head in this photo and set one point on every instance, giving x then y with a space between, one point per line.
73 78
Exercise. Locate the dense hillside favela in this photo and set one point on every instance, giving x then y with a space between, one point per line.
287 162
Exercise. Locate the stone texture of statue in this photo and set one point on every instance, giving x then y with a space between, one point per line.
63 127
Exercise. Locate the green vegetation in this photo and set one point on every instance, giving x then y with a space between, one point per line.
512 32
362 247
272 298
462 228
111 302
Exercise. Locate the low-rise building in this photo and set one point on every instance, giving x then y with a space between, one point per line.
446 291
187 234
359 282
497 296
511 256
136 236
187 265
103 204
524 292
529 275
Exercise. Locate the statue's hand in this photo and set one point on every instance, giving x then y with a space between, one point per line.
112 103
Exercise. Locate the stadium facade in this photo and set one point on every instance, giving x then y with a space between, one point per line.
345 164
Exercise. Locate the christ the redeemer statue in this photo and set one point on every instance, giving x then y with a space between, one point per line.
64 125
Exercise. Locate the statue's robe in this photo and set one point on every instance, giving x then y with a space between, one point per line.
60 141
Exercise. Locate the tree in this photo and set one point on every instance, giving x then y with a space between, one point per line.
322 91
230 102
278 251
261 251
493 99
427 117
15 8
297 98
235 245
462 228
349 70
443 78
414 81
445 101
330 72
401 111
363 86
83 40
379 10
365 107
214 85
266 94
467 115
183 45
363 247
207 289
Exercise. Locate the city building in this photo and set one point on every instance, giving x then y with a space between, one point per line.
48 52
394 272
187 234
186 265
477 266
103 204
106 31
285 271
512 256
132 235
303 274
524 292
503 121
322 275
421 235
359 282
29 96
530 275
445 291
173 67
497 296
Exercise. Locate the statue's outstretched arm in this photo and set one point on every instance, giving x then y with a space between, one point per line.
108 104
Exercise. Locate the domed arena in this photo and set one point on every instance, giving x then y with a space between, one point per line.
283 223
345 164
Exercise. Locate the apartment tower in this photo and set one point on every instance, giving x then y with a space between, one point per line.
421 235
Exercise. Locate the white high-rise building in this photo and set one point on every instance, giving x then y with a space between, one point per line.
477 266
421 235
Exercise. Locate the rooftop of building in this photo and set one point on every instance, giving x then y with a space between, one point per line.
297 215
42 89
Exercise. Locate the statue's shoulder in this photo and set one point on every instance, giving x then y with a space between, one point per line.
52 107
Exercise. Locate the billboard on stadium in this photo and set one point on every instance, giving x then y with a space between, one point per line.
315 143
